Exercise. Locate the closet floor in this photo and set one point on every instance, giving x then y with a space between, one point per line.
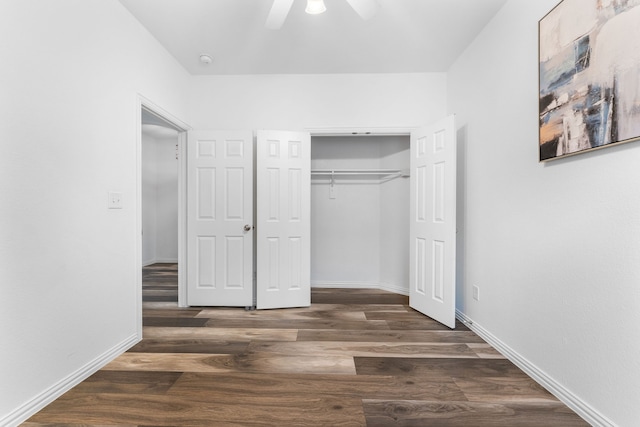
354 358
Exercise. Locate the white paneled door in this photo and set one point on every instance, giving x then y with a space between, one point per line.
220 218
433 221
283 226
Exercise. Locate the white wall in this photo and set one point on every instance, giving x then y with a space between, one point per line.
149 198
167 200
553 247
70 77
293 102
159 199
345 230
394 217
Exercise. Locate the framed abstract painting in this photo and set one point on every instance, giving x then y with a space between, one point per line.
589 57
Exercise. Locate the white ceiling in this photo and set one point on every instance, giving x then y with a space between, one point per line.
159 132
156 126
404 36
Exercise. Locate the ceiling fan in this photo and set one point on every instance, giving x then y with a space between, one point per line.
280 9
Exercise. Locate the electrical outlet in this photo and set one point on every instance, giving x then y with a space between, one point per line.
476 293
114 200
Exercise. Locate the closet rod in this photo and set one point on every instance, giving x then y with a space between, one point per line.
355 171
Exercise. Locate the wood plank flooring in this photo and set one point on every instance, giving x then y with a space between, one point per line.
354 358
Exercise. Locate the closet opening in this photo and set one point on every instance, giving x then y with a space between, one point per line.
360 212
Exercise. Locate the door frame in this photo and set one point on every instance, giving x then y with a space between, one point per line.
143 103
362 132
359 130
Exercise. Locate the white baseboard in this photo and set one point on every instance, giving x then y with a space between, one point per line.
22 413
394 288
361 285
567 397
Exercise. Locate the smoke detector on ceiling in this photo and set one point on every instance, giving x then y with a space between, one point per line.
206 59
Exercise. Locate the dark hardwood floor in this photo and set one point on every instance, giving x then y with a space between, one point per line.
354 358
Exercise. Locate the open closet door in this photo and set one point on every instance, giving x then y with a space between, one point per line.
433 221
220 218
283 223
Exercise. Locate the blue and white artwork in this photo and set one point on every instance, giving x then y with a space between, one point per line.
589 76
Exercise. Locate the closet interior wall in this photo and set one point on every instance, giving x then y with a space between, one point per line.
360 229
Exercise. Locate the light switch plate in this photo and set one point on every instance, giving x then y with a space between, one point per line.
114 200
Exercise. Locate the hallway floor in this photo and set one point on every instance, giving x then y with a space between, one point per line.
354 358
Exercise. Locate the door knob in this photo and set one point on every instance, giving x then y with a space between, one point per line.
247 227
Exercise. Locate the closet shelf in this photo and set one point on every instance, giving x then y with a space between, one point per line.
363 172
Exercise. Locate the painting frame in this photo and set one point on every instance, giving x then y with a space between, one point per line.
588 77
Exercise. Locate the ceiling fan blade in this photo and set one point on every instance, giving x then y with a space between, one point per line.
279 11
365 8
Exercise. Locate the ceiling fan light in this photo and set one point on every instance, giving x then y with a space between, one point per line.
315 7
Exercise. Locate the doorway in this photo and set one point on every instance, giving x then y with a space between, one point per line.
154 123
159 193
